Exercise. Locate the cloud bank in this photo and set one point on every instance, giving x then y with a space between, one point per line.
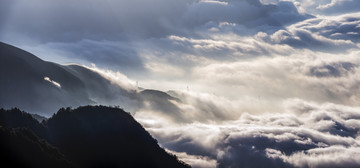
308 135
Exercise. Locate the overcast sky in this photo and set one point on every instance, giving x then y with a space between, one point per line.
235 62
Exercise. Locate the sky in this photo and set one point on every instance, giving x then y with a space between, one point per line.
269 80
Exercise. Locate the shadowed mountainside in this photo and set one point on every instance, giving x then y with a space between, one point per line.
23 82
41 87
19 147
89 136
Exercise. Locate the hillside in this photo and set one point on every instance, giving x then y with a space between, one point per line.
94 136
41 87
19 147
31 83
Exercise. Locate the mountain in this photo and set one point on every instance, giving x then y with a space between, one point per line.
162 102
29 83
40 87
39 117
89 136
15 118
20 147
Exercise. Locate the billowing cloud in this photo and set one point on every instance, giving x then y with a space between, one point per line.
339 6
327 78
323 7
307 135
299 38
322 34
219 43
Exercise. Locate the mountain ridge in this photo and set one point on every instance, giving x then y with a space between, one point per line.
94 136
40 87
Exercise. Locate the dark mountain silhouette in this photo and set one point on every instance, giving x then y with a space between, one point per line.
20 147
39 117
89 136
15 118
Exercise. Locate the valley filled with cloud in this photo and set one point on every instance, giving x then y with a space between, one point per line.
231 83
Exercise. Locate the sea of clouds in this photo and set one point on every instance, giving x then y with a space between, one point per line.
260 83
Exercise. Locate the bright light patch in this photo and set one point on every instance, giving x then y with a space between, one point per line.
53 82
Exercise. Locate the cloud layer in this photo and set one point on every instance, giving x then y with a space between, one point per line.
308 135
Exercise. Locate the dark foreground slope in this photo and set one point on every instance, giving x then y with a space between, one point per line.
90 136
19 147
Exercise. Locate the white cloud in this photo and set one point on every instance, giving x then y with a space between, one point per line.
331 4
221 43
52 82
195 161
287 139
116 78
333 156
